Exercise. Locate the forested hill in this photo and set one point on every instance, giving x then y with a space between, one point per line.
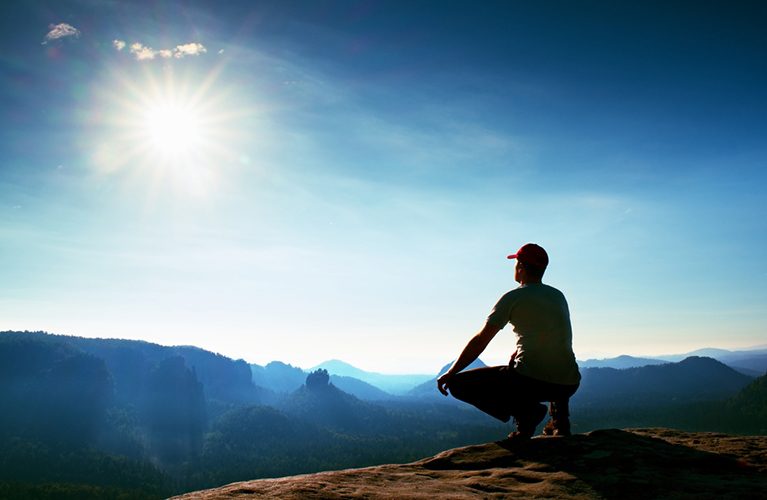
692 379
161 420
133 398
224 379
130 360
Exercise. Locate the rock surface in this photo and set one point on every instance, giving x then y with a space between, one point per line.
604 464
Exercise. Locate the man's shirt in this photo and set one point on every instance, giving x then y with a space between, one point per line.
541 320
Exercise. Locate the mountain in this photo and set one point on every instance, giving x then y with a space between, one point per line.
620 362
641 464
408 423
392 384
56 393
225 379
171 419
477 363
709 352
322 403
755 366
360 389
692 379
749 361
283 378
752 361
278 376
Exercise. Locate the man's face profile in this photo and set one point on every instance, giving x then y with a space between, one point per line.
519 271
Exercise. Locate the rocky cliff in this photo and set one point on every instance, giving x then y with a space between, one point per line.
604 464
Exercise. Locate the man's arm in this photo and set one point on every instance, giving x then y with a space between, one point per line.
473 349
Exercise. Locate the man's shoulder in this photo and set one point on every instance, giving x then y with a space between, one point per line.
551 288
513 292
540 290
532 289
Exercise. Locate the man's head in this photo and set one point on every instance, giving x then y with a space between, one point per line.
531 263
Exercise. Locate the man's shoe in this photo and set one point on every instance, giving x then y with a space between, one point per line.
559 427
526 424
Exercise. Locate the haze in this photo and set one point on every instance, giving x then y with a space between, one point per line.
295 181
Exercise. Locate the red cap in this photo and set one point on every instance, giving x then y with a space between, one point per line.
532 254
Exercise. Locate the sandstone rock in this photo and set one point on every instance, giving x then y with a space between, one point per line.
604 464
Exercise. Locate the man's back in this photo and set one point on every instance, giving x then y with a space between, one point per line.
541 320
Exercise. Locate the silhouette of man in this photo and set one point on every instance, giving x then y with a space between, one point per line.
542 368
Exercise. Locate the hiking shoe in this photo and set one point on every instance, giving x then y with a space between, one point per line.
558 427
526 424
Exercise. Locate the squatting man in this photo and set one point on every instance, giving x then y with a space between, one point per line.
542 368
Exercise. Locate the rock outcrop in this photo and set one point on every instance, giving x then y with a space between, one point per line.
605 464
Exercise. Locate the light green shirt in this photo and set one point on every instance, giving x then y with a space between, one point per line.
541 319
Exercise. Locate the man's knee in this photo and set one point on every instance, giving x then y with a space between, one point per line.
459 385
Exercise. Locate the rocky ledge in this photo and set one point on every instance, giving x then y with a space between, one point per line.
609 464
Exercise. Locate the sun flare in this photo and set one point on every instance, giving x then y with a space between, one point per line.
173 128
165 134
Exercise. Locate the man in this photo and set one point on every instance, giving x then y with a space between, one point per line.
543 367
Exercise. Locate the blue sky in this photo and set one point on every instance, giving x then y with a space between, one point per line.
301 181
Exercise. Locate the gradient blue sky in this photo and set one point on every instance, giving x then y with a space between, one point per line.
365 167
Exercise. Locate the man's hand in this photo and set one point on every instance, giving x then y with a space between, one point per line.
513 357
443 383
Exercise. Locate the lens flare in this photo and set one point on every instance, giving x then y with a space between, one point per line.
173 128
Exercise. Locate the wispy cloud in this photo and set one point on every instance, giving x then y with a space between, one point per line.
60 31
143 52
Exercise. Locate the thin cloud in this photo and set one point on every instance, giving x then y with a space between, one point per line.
118 44
60 31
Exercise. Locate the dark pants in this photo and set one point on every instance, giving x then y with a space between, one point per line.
503 393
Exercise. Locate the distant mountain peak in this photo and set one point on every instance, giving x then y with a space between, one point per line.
392 384
477 363
338 367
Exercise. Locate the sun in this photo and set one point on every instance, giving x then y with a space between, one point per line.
173 128
170 136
